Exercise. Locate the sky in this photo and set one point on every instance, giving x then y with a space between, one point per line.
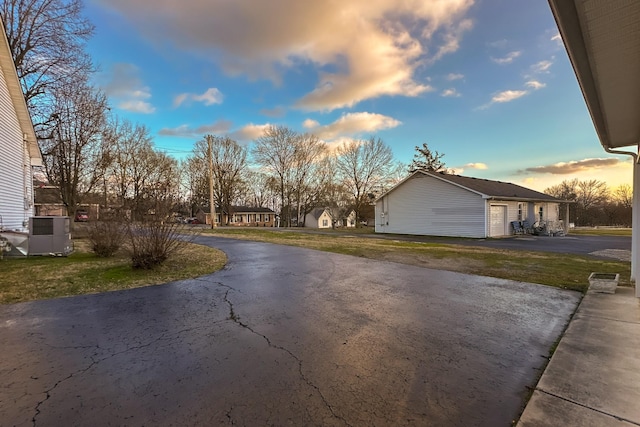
487 83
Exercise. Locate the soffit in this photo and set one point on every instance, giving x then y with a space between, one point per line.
602 38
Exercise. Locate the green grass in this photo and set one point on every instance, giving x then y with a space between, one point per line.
33 278
553 269
606 231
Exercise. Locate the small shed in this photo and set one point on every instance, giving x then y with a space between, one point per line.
439 204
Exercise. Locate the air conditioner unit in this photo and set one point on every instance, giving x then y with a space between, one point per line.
50 235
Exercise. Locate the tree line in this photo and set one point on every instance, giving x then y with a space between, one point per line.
593 203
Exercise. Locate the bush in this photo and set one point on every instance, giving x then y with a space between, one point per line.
106 237
152 243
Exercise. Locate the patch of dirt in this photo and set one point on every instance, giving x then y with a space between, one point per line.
619 254
461 265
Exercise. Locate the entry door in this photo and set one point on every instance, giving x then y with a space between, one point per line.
498 216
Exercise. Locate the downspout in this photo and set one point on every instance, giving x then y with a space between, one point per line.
635 216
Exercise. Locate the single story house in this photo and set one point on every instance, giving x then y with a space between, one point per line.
19 150
439 204
240 215
349 220
318 218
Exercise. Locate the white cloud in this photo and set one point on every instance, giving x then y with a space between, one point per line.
209 97
354 124
479 166
221 126
125 87
454 76
310 124
137 106
508 58
508 95
542 66
558 39
459 170
249 132
535 85
451 92
361 49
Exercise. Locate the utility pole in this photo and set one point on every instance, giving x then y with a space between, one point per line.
212 209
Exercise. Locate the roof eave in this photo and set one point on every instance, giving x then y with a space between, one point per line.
18 101
580 48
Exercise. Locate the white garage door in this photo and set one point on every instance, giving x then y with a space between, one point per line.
498 221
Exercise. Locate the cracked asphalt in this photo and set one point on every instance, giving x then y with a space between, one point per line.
283 336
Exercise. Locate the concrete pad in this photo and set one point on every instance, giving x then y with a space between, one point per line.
596 364
545 410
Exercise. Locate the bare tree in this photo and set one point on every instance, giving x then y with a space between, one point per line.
308 151
427 160
47 39
73 149
195 177
363 165
229 162
589 198
260 190
129 149
592 193
623 195
275 152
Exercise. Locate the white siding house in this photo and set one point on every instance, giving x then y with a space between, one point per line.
318 218
18 148
437 204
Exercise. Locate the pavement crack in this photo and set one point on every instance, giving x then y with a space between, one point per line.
587 407
236 319
229 417
97 360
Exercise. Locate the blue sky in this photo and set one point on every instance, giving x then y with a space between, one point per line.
486 82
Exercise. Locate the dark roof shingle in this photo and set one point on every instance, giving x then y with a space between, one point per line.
495 189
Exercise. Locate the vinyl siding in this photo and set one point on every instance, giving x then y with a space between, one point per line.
15 176
424 205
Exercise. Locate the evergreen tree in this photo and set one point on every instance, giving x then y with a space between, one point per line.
427 160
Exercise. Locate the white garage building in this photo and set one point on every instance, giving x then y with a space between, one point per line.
439 204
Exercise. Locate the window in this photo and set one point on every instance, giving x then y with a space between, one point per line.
325 222
540 213
520 212
266 217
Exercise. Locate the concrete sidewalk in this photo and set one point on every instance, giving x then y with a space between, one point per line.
593 378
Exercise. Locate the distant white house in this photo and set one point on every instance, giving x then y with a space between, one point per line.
19 149
349 220
318 218
438 204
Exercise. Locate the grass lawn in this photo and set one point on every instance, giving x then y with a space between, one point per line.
26 279
601 231
559 270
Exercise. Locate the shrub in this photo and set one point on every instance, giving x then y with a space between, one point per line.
152 243
106 237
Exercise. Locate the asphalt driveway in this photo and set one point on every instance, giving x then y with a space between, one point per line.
283 336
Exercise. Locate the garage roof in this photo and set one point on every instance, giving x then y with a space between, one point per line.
487 188
602 38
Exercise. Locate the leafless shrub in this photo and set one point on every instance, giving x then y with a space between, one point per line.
106 237
153 242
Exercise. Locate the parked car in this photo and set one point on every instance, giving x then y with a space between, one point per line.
82 216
